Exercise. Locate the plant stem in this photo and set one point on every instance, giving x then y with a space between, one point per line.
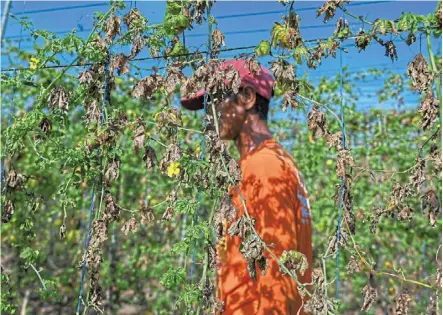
39 277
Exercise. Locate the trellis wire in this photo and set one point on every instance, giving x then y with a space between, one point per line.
2 172
91 208
342 184
202 157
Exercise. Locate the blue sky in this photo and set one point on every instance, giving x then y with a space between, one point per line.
244 24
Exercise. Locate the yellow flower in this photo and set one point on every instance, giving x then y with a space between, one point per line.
33 63
329 162
174 169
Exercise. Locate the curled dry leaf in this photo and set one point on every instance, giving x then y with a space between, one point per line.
318 304
147 215
289 100
418 173
147 87
429 107
252 249
369 295
335 140
174 78
171 154
242 227
344 160
62 231
294 261
218 40
213 257
419 73
167 215
432 308
137 46
390 50
329 7
130 226
235 170
59 99
112 28
317 122
253 66
112 170
93 113
363 40
430 202
438 278
406 214
352 266
402 303
86 76
46 125
226 211
377 213
119 63
283 72
232 77
436 157
15 181
112 210
8 211
292 21
150 158
139 135
132 18
214 145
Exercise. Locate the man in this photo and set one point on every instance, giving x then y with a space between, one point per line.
275 197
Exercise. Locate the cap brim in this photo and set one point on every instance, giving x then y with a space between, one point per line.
194 103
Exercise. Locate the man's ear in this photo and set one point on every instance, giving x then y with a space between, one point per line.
249 97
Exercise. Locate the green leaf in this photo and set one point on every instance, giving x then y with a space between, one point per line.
173 277
263 49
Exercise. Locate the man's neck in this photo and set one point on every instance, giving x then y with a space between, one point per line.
254 132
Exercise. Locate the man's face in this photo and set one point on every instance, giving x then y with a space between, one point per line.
231 117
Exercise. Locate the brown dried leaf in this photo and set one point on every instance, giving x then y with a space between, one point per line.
317 123
335 140
432 204
253 66
93 113
137 46
283 71
352 266
132 17
147 87
242 227
294 261
402 304
112 170
46 125
171 154
235 170
369 295
8 211
167 215
406 214
130 226
289 100
344 160
59 99
119 63
226 211
432 308
363 40
218 40
418 173
147 215
112 210
150 158
419 73
232 76
174 78
139 135
329 7
430 108
15 181
390 50
86 77
252 249
112 28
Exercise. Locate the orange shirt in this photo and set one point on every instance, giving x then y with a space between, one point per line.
277 199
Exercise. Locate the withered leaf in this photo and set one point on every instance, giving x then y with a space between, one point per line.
289 100
171 154
137 46
344 160
253 66
429 107
242 227
86 77
252 249
174 78
112 171
112 28
432 204
233 77
391 50
283 71
139 135
46 125
235 170
352 266
147 214
147 87
213 257
402 303
419 73
218 40
129 226
132 17
62 231
329 7
418 173
119 63
369 295
59 99
112 210
432 308
15 181
226 211
335 140
150 158
317 122
167 215
406 214
363 40
93 113
8 211
294 261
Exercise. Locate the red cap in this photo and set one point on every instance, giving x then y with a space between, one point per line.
263 83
